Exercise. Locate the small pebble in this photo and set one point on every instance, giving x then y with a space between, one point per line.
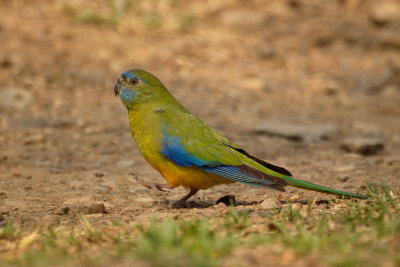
15 98
343 178
271 203
90 208
365 146
125 163
63 211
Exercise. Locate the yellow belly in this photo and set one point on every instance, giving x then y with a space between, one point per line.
190 177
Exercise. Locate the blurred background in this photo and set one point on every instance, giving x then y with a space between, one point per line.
310 85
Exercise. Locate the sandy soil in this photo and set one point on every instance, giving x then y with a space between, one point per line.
64 139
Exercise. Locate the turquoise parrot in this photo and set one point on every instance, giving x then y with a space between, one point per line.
186 151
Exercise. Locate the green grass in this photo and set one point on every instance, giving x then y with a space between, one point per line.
84 15
347 233
132 15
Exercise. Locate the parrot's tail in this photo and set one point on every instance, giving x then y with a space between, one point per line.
310 186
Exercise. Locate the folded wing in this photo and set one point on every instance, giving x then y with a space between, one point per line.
204 150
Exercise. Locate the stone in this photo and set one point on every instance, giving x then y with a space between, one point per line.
345 168
125 163
266 52
82 205
385 12
343 178
295 132
219 206
253 83
270 203
90 208
365 146
63 211
14 98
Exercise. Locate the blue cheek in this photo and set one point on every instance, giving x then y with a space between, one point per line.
127 96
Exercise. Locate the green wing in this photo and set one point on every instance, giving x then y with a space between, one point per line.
190 142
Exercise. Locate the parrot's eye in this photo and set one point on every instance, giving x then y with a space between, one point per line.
134 81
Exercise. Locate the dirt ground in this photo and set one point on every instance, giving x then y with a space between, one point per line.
64 138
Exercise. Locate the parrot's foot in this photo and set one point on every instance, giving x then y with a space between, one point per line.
181 203
160 187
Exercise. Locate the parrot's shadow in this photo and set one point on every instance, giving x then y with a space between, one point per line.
205 204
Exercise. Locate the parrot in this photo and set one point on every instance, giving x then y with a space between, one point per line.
186 151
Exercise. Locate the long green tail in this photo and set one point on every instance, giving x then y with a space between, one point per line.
306 185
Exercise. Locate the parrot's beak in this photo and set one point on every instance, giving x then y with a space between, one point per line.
116 89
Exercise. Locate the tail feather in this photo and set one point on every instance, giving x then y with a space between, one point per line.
276 177
310 186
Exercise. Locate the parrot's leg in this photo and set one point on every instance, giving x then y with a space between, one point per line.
181 203
160 187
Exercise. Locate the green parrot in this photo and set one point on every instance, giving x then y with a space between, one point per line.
186 151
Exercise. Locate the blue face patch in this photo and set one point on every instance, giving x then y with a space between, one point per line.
126 95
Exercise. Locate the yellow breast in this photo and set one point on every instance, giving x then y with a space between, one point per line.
190 177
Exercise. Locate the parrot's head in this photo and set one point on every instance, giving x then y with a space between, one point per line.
135 87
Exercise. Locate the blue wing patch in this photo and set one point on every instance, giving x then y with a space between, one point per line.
173 149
